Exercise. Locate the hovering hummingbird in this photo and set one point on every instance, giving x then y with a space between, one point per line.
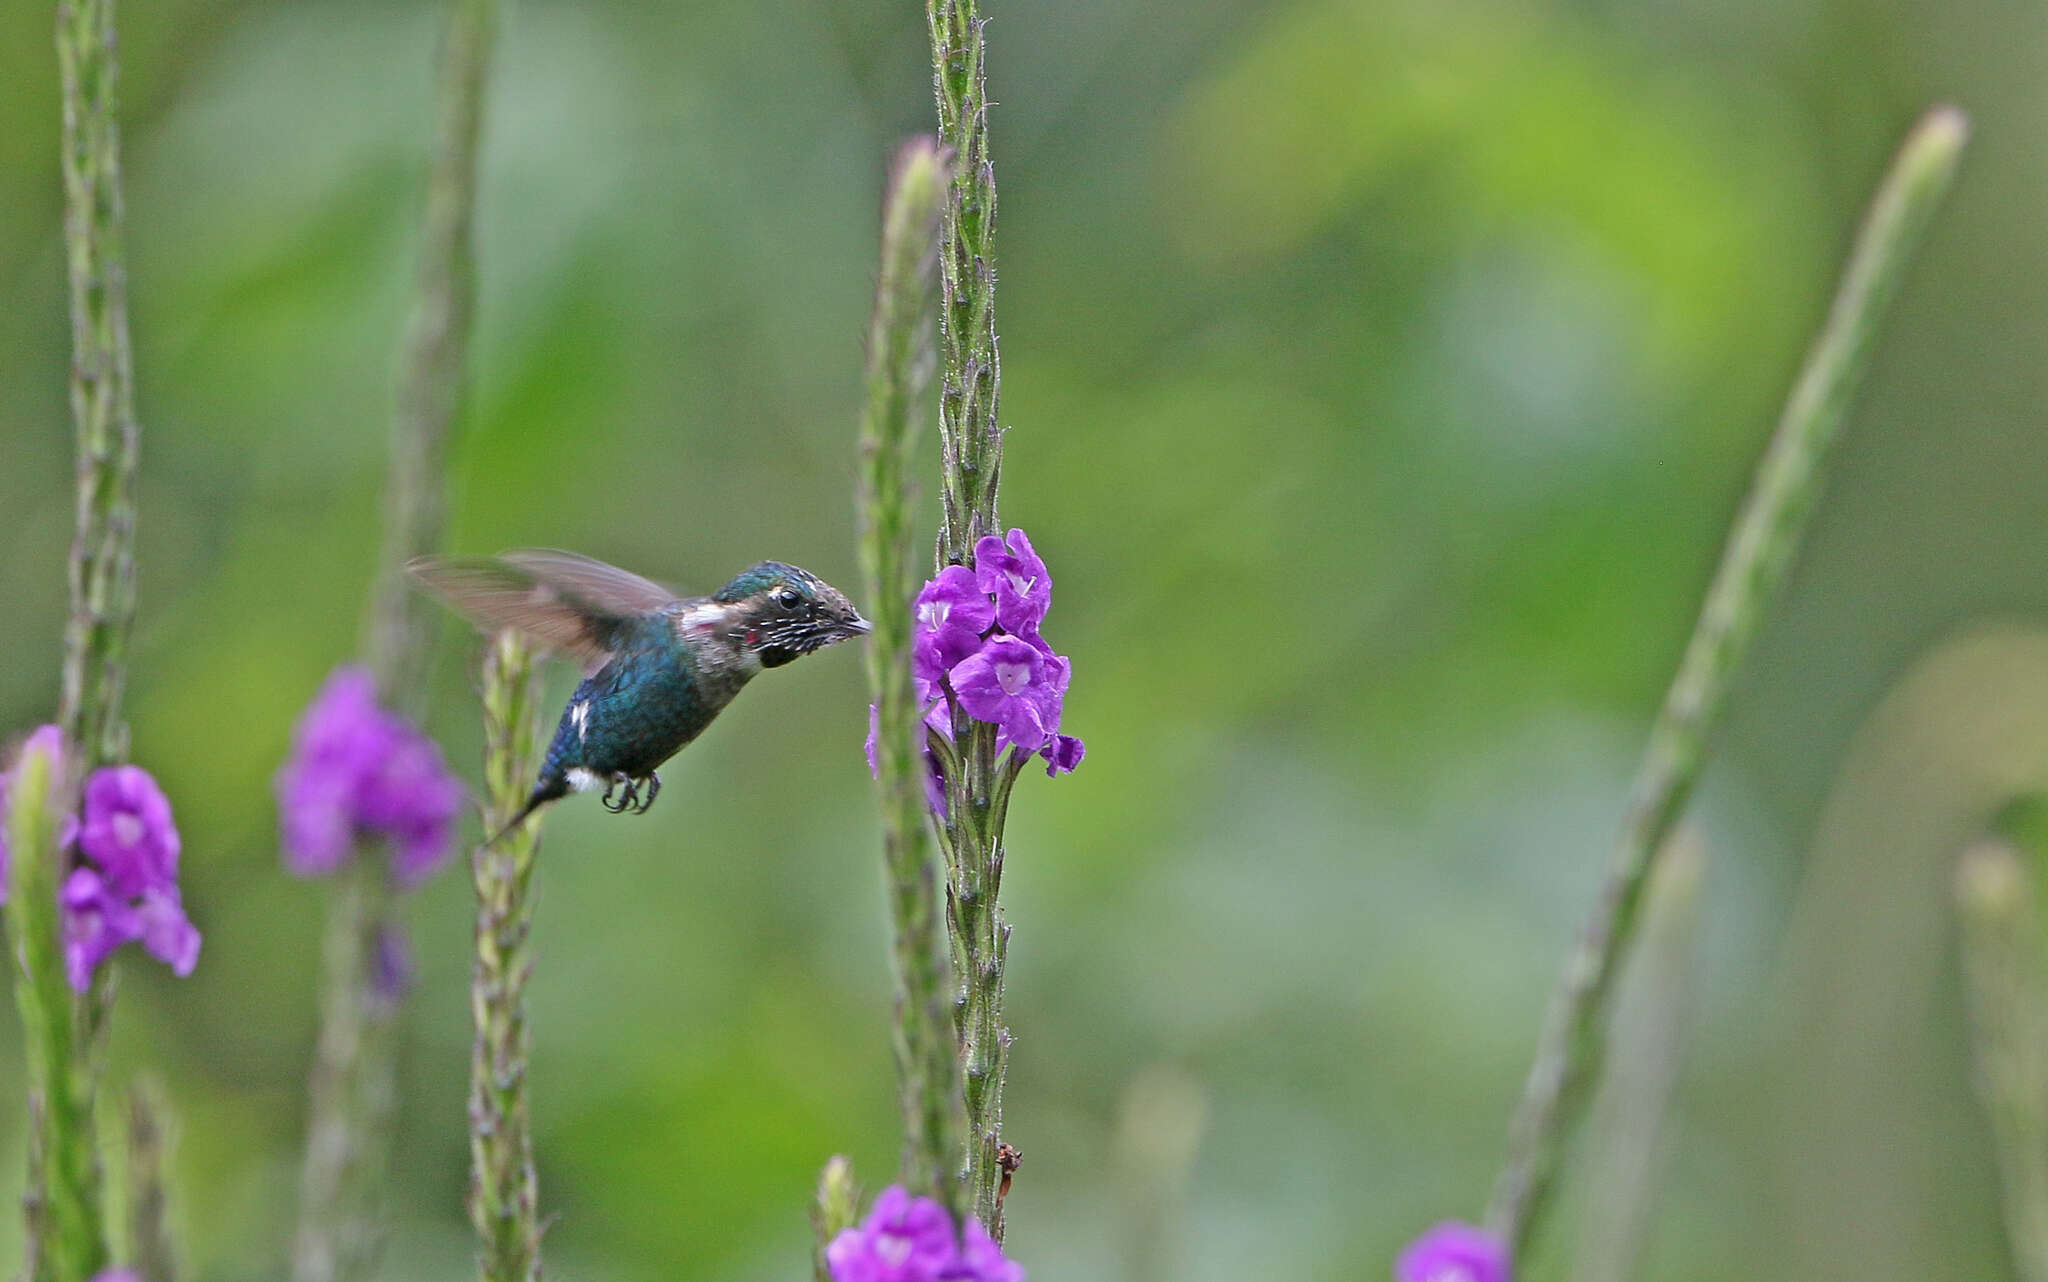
656 667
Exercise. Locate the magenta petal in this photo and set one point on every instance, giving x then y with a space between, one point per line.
1010 570
95 924
903 1239
128 830
1455 1252
166 932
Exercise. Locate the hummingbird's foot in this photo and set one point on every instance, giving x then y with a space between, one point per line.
653 782
619 805
629 800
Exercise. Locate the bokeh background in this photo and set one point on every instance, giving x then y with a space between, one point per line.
1383 375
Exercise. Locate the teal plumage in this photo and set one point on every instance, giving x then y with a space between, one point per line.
658 668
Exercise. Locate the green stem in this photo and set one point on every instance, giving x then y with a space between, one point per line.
102 390
351 1095
350 1104
2005 970
1569 1052
66 1228
504 1197
971 451
899 369
970 439
102 563
150 1251
1650 1028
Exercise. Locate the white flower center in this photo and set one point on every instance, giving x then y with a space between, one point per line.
1013 677
894 1249
127 829
1019 584
1449 1273
933 613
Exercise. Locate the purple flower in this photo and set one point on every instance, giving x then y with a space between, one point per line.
1062 753
124 885
128 830
1454 1252
357 770
98 920
953 614
1009 683
904 1239
1011 572
981 1259
127 887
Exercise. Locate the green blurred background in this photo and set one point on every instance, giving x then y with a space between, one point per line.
1383 375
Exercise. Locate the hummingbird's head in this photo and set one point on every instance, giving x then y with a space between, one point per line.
780 612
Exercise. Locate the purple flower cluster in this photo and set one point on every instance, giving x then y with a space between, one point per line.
123 885
357 770
976 646
1455 1252
907 1239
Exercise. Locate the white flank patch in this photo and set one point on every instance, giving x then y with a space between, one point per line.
579 716
582 780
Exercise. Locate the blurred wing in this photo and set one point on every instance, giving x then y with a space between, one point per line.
606 587
572 604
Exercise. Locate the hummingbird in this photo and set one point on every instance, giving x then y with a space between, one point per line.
657 668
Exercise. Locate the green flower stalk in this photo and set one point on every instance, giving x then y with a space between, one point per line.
2005 973
971 452
900 359
150 1250
67 1239
102 563
503 1193
102 572
1570 1050
1650 1037
970 437
352 1089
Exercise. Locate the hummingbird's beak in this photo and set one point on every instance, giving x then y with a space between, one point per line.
857 626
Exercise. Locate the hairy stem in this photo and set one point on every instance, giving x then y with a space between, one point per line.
970 439
66 1225
2005 971
900 359
102 390
352 1089
1570 1050
504 1196
102 563
971 452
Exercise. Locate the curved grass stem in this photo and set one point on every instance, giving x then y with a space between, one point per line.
1766 533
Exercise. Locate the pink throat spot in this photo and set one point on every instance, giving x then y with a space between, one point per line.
894 1249
127 829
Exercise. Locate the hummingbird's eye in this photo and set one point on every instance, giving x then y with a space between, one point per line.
788 598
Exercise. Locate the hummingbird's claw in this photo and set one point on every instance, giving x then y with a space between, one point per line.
624 800
653 790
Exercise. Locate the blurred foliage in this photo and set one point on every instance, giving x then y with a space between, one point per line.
1384 375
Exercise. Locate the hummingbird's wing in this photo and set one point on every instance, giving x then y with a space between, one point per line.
572 603
606 586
